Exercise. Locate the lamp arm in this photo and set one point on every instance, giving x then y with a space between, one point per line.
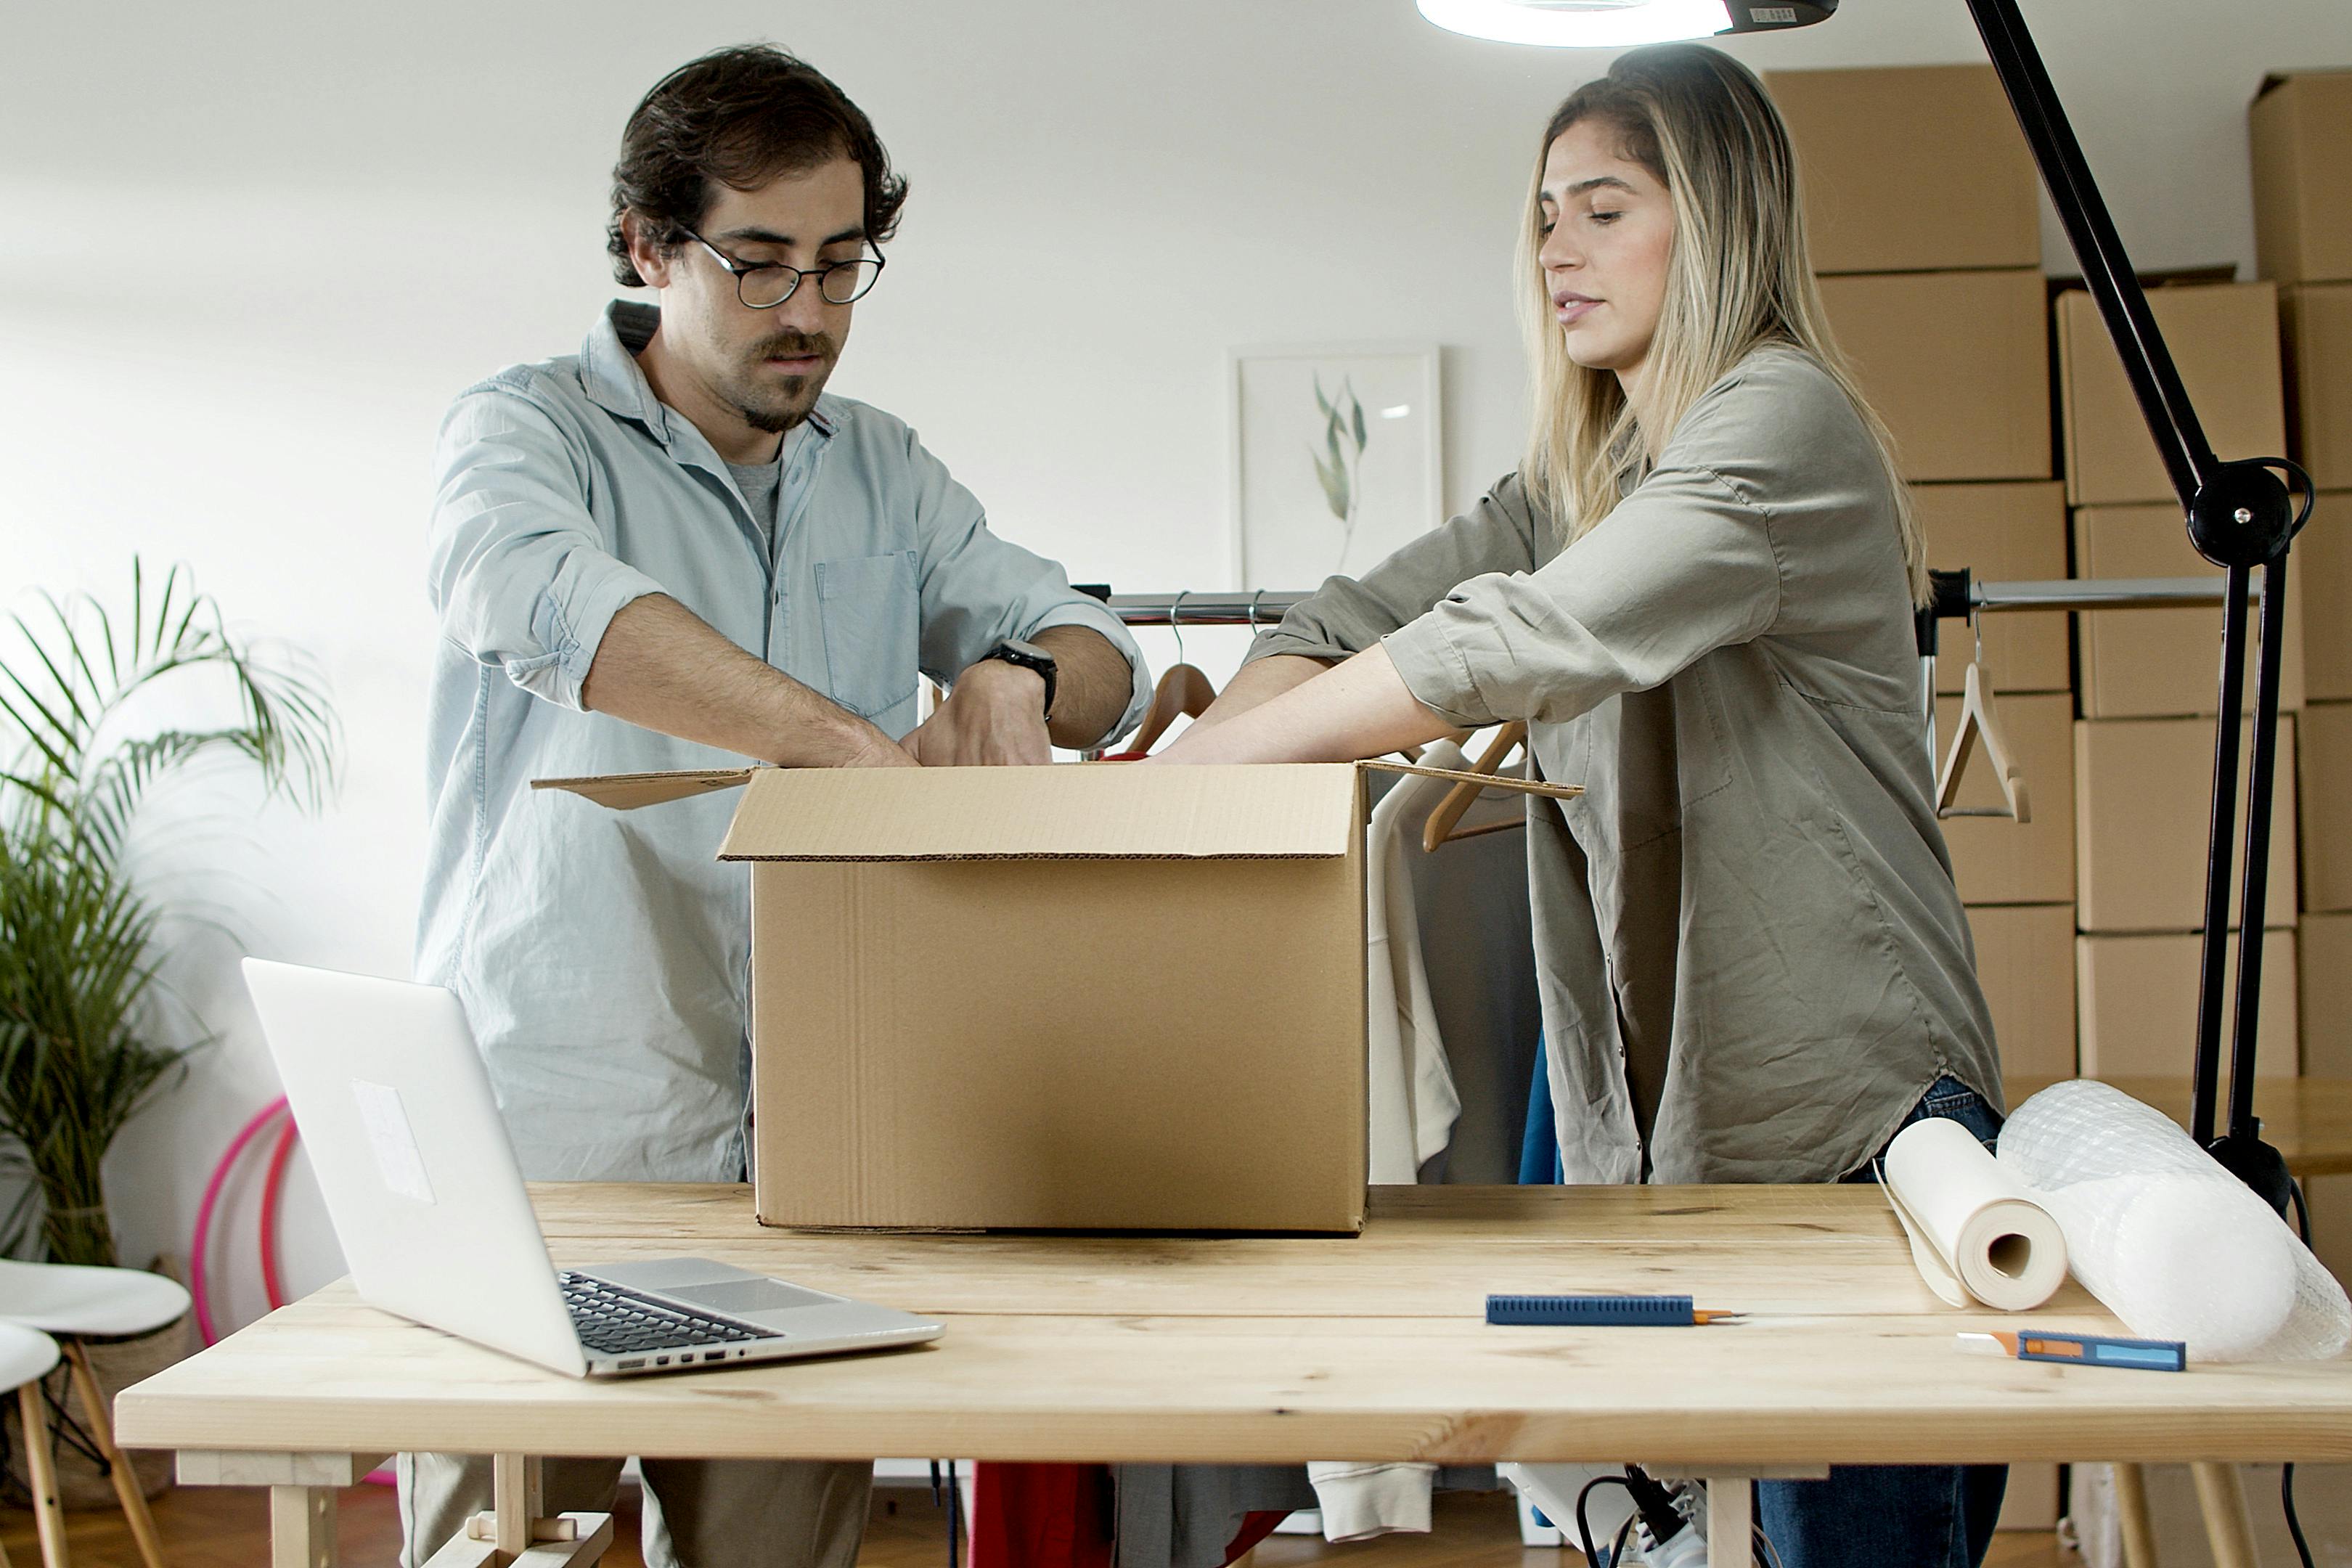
2239 517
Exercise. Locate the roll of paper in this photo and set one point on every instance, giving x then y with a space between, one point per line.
1978 1234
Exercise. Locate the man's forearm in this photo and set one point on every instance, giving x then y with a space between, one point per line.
1093 685
662 667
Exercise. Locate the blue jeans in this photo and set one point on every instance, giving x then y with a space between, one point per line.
1892 1516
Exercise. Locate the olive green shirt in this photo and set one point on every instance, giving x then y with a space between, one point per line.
1752 959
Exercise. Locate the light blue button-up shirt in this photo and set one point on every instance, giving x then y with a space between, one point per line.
602 957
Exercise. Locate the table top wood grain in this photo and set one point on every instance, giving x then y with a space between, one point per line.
1273 1349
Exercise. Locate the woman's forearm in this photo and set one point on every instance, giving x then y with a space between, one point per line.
1362 709
1259 682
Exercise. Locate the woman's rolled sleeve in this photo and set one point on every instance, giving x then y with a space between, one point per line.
1346 615
518 566
1682 566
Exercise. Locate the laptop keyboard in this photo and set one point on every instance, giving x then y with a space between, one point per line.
614 1322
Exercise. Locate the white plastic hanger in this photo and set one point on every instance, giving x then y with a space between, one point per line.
1979 723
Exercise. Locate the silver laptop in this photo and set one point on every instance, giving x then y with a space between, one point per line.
400 1124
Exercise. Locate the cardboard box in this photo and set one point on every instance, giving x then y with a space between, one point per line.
2316 341
1081 996
2138 1001
2325 997
1996 860
2321 564
2002 533
2300 132
1911 169
2224 341
2325 754
2032 1500
2151 664
2025 962
2331 1222
2143 803
1957 364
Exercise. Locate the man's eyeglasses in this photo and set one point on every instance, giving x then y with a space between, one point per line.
764 285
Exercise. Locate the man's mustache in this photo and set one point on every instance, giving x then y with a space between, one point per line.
795 345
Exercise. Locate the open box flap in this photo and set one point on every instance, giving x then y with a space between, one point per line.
1065 811
626 792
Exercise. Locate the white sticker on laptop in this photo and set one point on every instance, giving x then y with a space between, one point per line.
397 1160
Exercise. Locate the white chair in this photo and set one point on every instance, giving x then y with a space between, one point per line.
26 1358
75 1304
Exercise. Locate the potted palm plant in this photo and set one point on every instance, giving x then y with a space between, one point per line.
89 1031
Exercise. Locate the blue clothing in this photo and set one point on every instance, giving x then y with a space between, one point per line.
602 957
1870 1516
1539 1163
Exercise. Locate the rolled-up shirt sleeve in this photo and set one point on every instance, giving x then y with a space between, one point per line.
1684 565
1349 614
979 590
518 569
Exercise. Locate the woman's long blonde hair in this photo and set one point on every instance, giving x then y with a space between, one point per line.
1740 278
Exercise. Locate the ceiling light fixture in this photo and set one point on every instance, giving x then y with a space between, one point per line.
1617 24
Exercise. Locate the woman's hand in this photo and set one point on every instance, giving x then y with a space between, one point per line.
1362 709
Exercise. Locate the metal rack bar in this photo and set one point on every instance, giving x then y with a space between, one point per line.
1226 607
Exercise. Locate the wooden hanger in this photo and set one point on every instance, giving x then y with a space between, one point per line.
1443 825
1182 692
1978 722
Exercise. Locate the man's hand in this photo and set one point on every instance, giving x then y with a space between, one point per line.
995 717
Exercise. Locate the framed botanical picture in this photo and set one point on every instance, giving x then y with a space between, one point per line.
1336 459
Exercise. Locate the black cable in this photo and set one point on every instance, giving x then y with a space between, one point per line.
2302 1209
1583 1529
955 1525
2294 1525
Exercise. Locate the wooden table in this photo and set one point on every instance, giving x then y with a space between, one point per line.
1252 1349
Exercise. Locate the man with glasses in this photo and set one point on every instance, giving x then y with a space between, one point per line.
674 551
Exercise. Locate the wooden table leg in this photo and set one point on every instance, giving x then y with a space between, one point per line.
41 1467
2133 1525
127 1489
2222 1493
301 1527
1730 1522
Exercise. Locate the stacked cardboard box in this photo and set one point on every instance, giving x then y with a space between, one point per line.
1924 216
2300 132
2149 690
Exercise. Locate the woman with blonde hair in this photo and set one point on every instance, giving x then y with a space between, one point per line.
1697 590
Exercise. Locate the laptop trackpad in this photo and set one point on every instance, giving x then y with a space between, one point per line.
750 1296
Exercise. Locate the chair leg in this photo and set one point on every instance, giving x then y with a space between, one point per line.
127 1489
40 1463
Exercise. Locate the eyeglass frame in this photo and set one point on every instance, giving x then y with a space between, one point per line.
738 271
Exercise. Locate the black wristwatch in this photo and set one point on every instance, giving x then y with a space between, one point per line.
1028 655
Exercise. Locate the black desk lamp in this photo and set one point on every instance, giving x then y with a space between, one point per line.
2240 513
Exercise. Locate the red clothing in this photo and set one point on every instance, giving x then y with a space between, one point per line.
1060 1515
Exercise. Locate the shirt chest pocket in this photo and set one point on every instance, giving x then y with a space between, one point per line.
871 607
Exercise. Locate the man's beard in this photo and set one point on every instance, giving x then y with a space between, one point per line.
772 413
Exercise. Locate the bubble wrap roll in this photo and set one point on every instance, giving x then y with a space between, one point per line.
2174 1245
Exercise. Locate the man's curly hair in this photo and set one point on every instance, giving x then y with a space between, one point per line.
738 117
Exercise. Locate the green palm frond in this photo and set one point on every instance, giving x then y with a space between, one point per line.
79 992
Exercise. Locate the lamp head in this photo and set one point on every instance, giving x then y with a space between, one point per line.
1617 24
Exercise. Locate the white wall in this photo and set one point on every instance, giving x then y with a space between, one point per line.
252 249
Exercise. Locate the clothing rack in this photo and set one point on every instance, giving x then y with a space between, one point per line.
1956 595
1959 595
